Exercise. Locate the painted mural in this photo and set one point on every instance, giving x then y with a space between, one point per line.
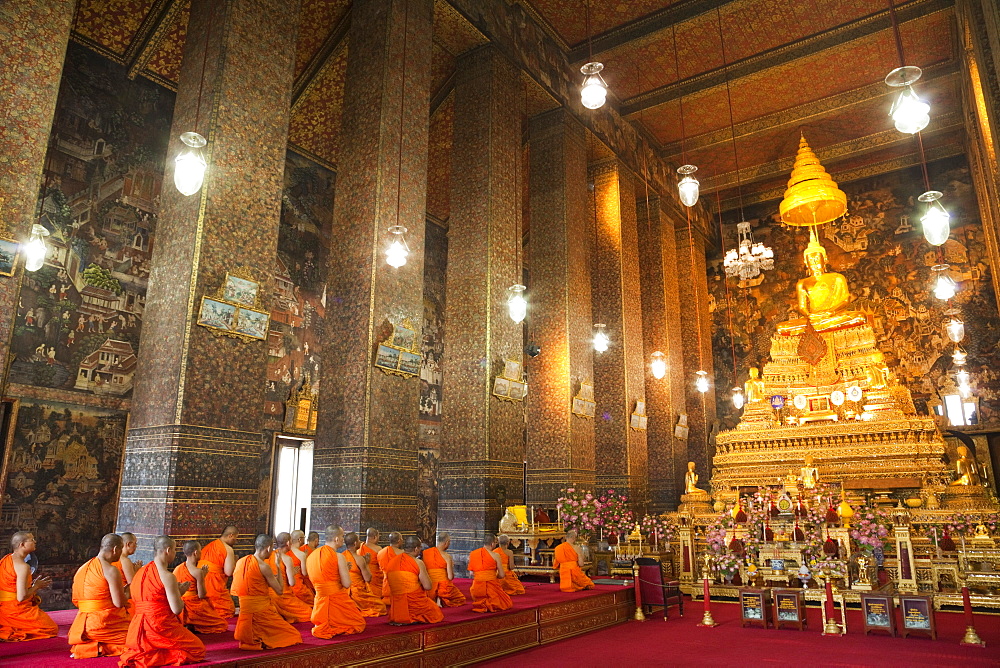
880 249
429 454
79 317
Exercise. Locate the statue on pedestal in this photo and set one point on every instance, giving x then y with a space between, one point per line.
754 387
809 474
691 482
966 469
823 296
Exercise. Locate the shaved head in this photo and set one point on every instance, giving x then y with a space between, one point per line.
263 541
298 536
489 539
313 535
395 538
372 533
333 531
110 541
230 531
412 543
504 539
282 539
162 544
571 534
351 540
190 547
128 537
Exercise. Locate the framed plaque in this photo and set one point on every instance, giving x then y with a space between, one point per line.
877 613
754 607
918 615
789 608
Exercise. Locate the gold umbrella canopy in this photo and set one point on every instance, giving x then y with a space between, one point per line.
812 197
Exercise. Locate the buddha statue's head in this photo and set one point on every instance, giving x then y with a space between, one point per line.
815 257
754 372
809 460
963 451
691 467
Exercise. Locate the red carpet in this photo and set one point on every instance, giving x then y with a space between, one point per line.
679 642
222 649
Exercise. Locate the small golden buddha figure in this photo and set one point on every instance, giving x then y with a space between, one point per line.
823 296
981 531
754 387
691 482
809 474
877 374
965 468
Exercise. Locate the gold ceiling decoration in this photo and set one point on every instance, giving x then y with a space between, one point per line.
812 197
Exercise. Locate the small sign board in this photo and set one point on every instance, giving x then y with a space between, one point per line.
789 609
754 607
918 615
877 613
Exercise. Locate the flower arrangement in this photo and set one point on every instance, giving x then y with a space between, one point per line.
728 565
871 526
613 513
657 529
963 524
836 568
578 509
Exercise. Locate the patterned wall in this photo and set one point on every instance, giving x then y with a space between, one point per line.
880 249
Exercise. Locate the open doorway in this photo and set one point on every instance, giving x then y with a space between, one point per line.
293 462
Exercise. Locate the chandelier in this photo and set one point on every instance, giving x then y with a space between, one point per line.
750 258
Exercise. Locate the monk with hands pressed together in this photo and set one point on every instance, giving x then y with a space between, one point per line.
101 625
21 618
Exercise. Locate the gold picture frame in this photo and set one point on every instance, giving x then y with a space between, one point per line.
510 384
584 405
10 252
236 309
638 419
399 355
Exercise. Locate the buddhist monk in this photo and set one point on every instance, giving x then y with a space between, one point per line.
221 560
369 603
335 613
155 634
289 606
393 549
510 583
312 543
127 565
370 549
101 625
259 625
441 571
198 615
20 616
303 586
567 560
487 573
408 585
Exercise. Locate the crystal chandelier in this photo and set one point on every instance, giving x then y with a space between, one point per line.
750 258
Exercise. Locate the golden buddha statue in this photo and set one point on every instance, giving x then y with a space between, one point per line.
691 482
823 296
809 474
754 387
965 467
877 374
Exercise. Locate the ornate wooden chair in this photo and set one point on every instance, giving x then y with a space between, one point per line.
655 590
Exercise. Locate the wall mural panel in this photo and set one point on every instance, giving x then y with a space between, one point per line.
880 249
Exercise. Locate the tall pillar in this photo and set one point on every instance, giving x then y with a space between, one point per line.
661 331
560 447
482 450
619 372
195 433
697 341
34 37
365 461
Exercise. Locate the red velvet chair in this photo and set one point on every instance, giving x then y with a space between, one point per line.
654 590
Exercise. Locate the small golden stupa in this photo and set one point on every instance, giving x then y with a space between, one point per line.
812 197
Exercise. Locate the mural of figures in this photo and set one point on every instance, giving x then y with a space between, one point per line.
880 248
79 316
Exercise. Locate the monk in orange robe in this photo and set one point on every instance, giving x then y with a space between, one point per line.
370 549
259 625
441 570
221 560
571 577
303 586
312 543
288 604
101 625
393 549
155 634
370 604
20 616
487 573
198 615
334 614
510 583
126 564
408 583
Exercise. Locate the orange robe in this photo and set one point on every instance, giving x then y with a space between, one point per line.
571 577
214 556
198 612
382 559
288 604
409 602
155 635
487 594
131 603
334 614
259 625
370 604
24 620
303 588
99 628
510 583
441 586
377 576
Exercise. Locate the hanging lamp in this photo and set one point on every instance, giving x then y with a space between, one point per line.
190 165
594 91
36 249
601 340
658 364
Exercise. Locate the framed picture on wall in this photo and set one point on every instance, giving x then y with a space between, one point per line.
252 323
501 387
217 314
240 291
9 251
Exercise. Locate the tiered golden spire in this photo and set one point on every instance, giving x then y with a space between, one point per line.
812 197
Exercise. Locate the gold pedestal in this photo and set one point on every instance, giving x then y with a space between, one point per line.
639 616
832 628
696 504
966 497
707 620
972 638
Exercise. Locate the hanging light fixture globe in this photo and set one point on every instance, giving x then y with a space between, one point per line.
658 365
517 306
35 250
943 285
738 398
190 165
688 186
936 221
959 357
955 326
397 252
909 113
701 382
601 339
595 90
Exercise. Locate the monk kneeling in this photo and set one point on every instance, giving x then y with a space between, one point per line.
155 635
370 604
290 606
198 615
221 560
334 613
393 549
487 572
297 551
571 577
408 582
510 583
441 570
20 616
259 625
101 625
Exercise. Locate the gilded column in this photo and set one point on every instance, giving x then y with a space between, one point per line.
365 465
482 450
560 445
661 330
34 37
619 372
195 433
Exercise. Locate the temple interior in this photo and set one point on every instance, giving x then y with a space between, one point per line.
710 282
